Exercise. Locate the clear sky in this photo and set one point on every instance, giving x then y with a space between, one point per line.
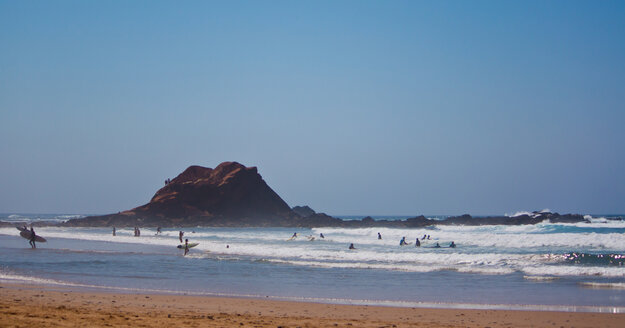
350 107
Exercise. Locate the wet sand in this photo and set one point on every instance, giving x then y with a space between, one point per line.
40 306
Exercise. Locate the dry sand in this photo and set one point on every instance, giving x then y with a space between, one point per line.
39 306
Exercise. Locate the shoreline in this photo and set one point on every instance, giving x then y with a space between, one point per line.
45 306
95 289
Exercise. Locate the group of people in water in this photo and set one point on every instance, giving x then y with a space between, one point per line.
402 242
137 233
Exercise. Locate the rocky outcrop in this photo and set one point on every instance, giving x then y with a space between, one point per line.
232 195
229 195
303 211
532 218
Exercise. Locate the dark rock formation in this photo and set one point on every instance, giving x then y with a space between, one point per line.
533 218
232 195
229 195
303 211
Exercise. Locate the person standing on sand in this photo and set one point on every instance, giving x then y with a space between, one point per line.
32 238
186 247
180 234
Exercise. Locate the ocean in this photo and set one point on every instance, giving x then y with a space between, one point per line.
567 267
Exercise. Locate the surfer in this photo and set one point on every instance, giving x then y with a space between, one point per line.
379 236
294 235
32 238
186 247
437 246
423 238
417 243
402 242
180 234
428 237
158 230
321 235
452 245
113 231
351 246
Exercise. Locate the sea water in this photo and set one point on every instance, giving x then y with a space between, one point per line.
572 267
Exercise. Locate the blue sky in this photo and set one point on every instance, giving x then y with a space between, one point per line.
350 107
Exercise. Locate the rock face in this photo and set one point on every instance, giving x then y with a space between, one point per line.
303 211
232 195
229 195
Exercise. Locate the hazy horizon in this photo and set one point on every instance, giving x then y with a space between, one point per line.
351 107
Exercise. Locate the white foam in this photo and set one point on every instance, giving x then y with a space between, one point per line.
530 249
603 285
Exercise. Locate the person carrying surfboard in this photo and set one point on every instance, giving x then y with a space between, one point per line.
32 238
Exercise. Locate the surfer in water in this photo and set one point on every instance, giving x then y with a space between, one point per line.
186 247
113 231
379 236
402 242
158 230
417 243
32 238
351 246
321 235
180 234
437 246
452 245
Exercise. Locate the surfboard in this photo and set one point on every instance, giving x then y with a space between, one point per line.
190 245
25 233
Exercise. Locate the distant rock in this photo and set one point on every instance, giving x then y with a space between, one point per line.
232 195
532 218
303 211
229 195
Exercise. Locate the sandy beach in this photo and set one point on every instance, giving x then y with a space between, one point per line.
40 306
